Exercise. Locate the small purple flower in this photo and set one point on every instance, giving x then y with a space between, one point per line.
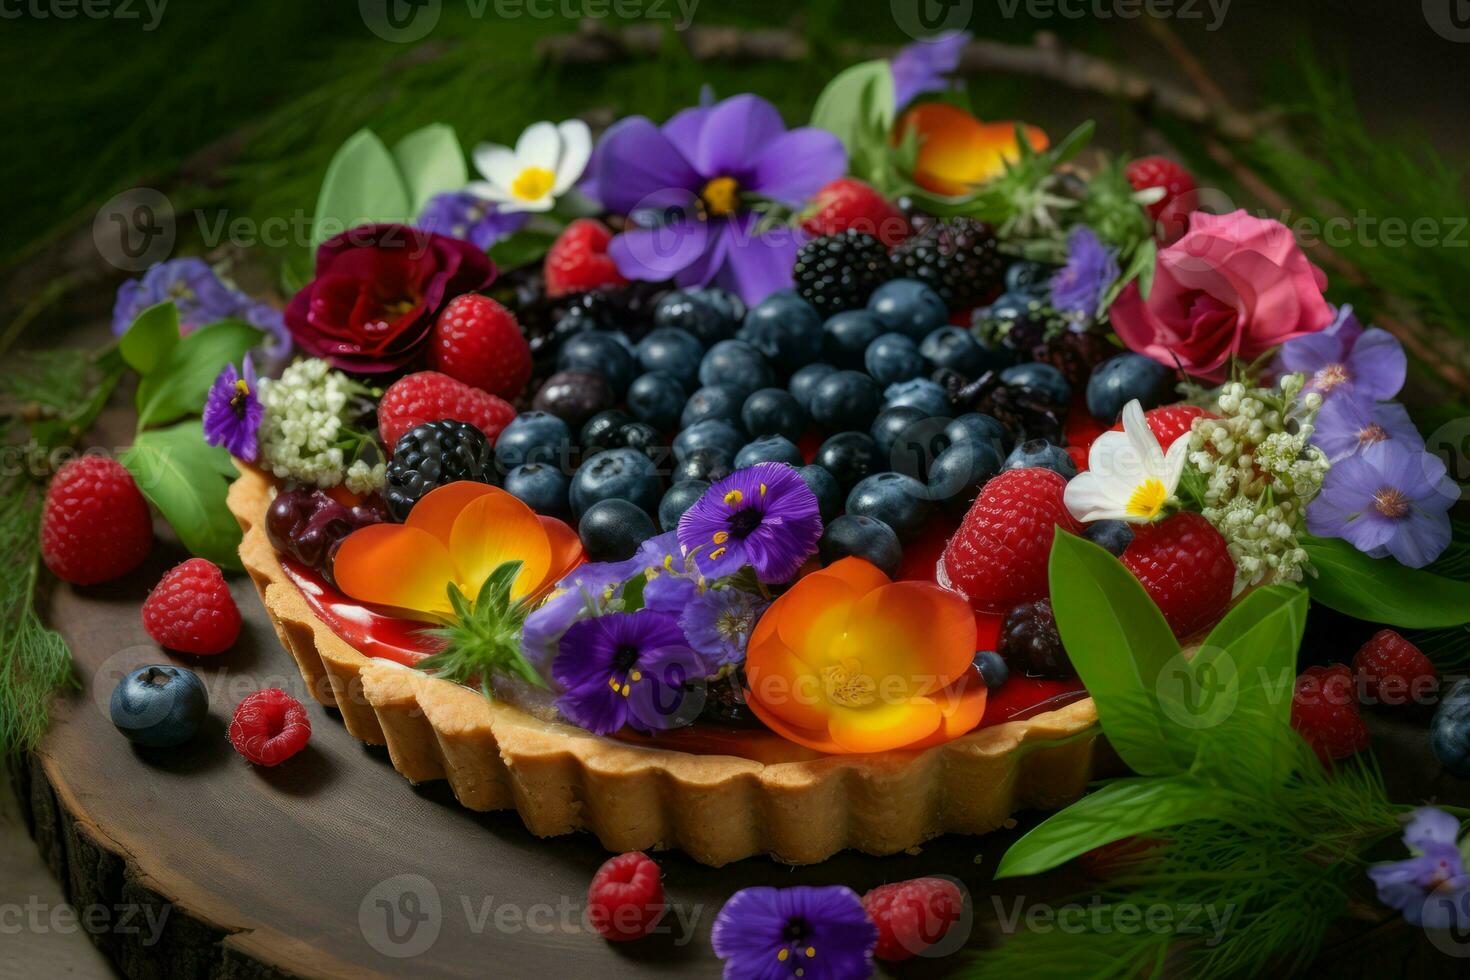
232 411
718 623
625 669
1368 365
920 67
460 214
1388 499
1079 286
1431 888
764 516
201 297
584 593
817 933
1346 425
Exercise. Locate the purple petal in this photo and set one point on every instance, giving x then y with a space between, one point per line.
920 67
733 133
1429 825
655 700
1377 364
661 253
1310 354
635 160
683 129
757 265
794 166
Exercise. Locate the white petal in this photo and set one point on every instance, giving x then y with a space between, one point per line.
543 203
490 192
1174 461
1114 459
496 164
1090 499
539 146
1145 443
576 150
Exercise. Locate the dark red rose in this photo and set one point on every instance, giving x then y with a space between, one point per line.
377 291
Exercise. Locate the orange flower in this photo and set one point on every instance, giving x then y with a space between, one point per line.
848 661
958 151
456 535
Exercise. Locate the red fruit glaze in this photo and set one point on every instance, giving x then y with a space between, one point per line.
1325 712
1391 670
912 915
191 610
1186 568
269 727
429 396
95 524
368 631
478 341
849 203
626 897
578 259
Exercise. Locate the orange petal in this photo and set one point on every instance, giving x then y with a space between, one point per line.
814 614
880 727
812 738
437 511
913 631
785 685
862 575
566 550
495 528
958 151
395 565
963 705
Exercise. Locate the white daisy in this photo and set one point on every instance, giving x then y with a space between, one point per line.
1129 476
546 162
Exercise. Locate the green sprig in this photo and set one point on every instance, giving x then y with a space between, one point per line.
485 638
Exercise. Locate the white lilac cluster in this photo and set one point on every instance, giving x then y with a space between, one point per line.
306 434
1258 471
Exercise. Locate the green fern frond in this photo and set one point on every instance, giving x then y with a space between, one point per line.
485 638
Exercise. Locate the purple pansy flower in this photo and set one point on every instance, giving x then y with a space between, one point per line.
1389 499
920 67
232 411
460 214
718 623
814 933
1344 358
1432 888
1346 425
687 186
625 669
201 297
764 516
1079 286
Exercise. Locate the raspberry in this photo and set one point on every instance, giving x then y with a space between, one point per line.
578 259
269 727
998 556
479 342
1146 172
1186 568
429 396
1171 421
95 525
626 897
912 915
1391 670
1325 712
191 609
848 203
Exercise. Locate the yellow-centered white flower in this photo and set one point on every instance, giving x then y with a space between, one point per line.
546 162
1129 475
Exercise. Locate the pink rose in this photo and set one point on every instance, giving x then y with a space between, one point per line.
1233 286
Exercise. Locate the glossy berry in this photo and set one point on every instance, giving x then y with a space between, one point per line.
599 352
909 307
1026 276
992 668
644 438
478 342
1112 536
920 393
1324 709
428 396
825 488
710 315
1042 454
768 449
773 412
850 456
912 915
578 261
722 402
959 473
1186 568
850 204
854 536
95 524
657 398
601 430
804 382
1390 670
715 433
958 257
893 357
708 463
1121 379
612 529
840 271
1449 730
676 351
308 525
785 329
957 349
269 727
617 474
533 437
626 897
737 364
540 486
1157 171
899 501
1030 642
574 396
1042 380
191 610
893 425
431 455
846 336
679 498
976 426
160 706
845 400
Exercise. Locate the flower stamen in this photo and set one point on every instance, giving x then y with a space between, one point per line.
721 196
532 183
1148 499
1391 502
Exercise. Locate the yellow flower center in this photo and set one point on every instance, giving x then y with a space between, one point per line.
721 195
242 391
533 183
1148 499
847 685
733 497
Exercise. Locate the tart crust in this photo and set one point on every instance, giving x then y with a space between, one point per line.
715 808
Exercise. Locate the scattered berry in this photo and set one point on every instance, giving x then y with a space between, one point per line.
269 727
1155 171
478 341
1391 670
1186 568
534 437
578 261
431 455
1171 421
899 501
839 272
429 396
912 915
854 536
910 307
1325 711
191 609
308 525
1126 377
95 525
992 668
1113 536
1449 730
624 474
574 396
958 258
601 352
850 204
626 897
1029 640
1043 455
160 706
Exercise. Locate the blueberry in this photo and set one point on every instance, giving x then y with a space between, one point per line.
957 349
785 328
1115 536
599 352
574 396
920 393
849 456
992 668
674 351
709 315
825 488
737 364
657 398
773 412
160 706
892 423
846 336
1042 379
540 486
1449 730
712 402
645 439
913 449
1119 380
908 306
804 382
845 400
893 357
1026 276
768 449
612 529
855 536
958 474
979 427
600 431
708 464
621 473
533 437
899 501
711 432
1043 455
679 498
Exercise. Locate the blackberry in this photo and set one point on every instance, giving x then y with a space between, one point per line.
431 455
1075 355
1029 640
959 258
839 272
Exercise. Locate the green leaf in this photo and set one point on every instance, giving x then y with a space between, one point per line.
363 185
858 107
431 162
522 248
151 338
186 479
178 387
1381 590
